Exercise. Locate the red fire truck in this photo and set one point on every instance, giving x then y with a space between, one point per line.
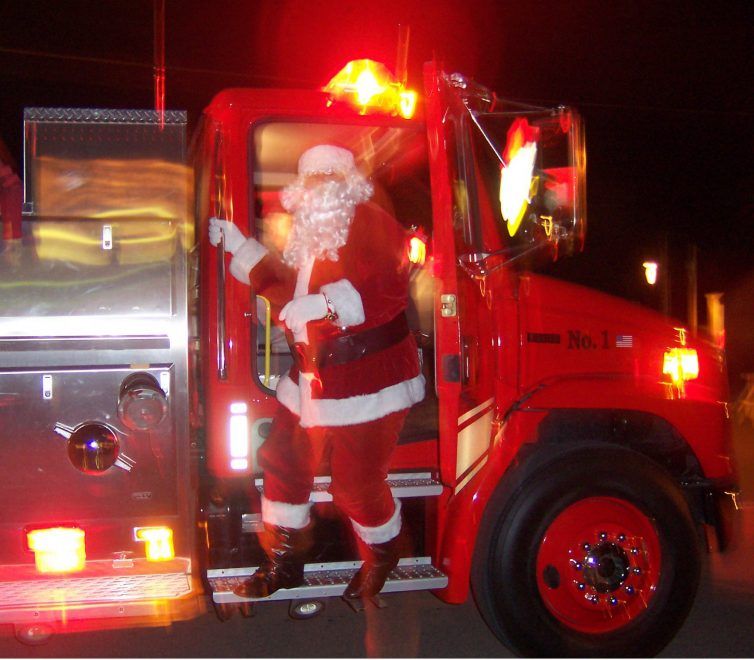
566 466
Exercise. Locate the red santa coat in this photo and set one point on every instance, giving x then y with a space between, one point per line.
368 287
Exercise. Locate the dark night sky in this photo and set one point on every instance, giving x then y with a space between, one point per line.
666 90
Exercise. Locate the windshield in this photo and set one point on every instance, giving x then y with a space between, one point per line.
393 157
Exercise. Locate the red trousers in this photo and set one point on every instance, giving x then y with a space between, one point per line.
359 457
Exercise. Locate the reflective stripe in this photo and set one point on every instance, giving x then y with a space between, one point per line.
473 442
464 482
475 411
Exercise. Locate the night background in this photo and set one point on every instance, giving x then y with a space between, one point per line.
665 89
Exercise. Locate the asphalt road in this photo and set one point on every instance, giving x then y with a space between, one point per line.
413 625
419 625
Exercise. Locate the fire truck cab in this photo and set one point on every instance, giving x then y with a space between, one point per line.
569 451
570 446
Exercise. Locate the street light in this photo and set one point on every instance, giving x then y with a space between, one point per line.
650 272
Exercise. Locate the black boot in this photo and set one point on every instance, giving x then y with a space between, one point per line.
284 566
379 560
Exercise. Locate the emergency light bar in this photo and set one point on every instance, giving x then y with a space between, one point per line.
370 87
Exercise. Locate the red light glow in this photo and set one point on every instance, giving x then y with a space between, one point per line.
57 549
370 87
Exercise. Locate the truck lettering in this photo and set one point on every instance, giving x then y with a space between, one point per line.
578 340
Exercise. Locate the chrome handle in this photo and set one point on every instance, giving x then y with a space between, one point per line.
222 366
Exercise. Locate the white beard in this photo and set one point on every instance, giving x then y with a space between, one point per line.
322 217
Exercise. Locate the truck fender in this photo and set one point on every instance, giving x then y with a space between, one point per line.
464 506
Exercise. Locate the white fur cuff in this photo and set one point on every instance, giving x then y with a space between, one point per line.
282 514
382 533
347 302
245 258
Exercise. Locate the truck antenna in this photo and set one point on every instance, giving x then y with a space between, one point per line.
401 65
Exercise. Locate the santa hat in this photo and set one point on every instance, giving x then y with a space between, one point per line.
326 158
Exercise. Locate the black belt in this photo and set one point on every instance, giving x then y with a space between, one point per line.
350 346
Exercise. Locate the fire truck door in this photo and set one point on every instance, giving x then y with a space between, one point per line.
464 365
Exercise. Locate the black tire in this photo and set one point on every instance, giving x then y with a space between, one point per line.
519 600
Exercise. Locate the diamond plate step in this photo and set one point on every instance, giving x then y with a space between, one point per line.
128 590
100 582
330 579
402 484
73 591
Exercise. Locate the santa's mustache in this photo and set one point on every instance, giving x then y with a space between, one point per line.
326 196
322 217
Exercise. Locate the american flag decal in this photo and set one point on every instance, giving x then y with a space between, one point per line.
624 341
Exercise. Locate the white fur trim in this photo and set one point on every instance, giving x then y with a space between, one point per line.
382 533
246 257
282 514
303 277
326 158
347 302
351 410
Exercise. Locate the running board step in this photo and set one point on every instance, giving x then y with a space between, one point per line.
329 579
402 484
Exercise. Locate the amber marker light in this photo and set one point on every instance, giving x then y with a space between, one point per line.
370 87
408 99
681 364
158 542
57 549
417 250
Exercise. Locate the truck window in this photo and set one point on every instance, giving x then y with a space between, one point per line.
393 158
459 157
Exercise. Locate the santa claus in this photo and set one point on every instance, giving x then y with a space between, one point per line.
341 291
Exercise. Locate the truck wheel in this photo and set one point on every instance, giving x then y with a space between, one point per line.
594 553
305 609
